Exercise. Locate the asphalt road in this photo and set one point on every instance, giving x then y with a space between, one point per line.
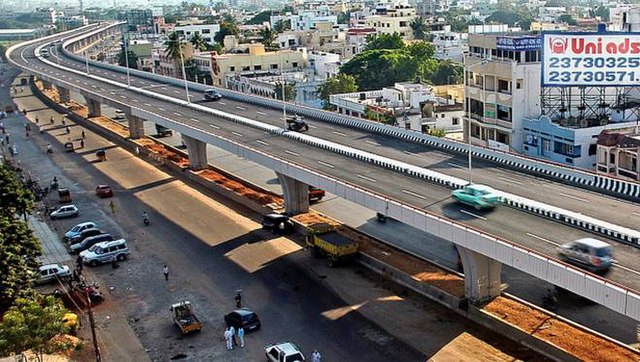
524 229
199 249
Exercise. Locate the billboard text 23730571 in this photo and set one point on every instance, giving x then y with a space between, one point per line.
583 59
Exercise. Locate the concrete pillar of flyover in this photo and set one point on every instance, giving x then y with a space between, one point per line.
46 84
94 107
296 195
65 95
136 126
481 276
197 153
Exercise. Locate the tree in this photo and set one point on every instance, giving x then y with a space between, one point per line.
268 37
419 27
603 12
173 46
384 41
289 91
226 28
567 19
198 42
260 18
31 324
519 16
342 83
440 72
344 17
14 198
374 69
421 50
133 59
281 26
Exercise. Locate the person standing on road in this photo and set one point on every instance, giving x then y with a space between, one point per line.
83 135
238 300
81 143
137 150
241 336
232 333
315 356
165 271
227 339
79 264
112 206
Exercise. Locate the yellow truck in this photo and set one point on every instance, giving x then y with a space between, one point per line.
323 240
184 317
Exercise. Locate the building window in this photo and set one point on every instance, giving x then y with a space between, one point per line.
593 149
246 69
273 66
455 121
206 31
504 113
503 86
294 64
566 149
257 67
232 69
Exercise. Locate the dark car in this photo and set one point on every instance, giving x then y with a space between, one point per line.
104 191
89 242
277 223
244 318
85 234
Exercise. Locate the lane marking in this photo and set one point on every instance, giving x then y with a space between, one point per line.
472 214
111 92
147 104
312 126
261 113
241 108
573 197
214 126
163 88
339 133
160 108
175 91
326 164
177 114
455 165
224 104
291 153
616 264
373 143
123 97
135 100
414 194
195 120
262 142
237 134
367 178
543 239
636 213
511 180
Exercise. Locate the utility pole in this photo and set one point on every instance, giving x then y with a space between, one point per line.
92 323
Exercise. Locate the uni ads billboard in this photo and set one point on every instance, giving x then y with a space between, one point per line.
591 59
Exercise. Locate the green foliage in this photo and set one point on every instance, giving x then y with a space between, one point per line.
386 118
218 48
567 19
226 28
31 324
440 72
198 42
342 83
14 198
419 27
384 41
289 91
603 12
374 69
437 132
519 16
173 46
281 26
268 37
261 17
344 17
133 59
421 50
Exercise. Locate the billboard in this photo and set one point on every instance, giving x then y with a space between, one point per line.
518 44
591 59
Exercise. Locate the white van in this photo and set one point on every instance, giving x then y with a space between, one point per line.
104 252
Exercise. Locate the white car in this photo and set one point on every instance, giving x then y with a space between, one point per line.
51 272
64 212
283 352
119 115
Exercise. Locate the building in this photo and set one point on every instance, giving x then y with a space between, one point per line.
255 62
618 153
305 84
143 50
449 45
206 31
392 19
166 65
138 19
321 63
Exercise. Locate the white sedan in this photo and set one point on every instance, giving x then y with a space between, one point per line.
64 212
50 272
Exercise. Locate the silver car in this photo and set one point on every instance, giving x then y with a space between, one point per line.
51 272
591 254
64 212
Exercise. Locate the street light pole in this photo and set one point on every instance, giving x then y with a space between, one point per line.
468 100
125 40
184 73
284 101
86 61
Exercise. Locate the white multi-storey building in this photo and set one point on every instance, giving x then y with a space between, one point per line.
392 19
206 31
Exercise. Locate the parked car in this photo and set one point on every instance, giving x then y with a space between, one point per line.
244 318
89 242
85 234
283 352
64 212
104 191
78 229
105 251
315 194
212 95
50 272
478 196
277 223
591 254
119 115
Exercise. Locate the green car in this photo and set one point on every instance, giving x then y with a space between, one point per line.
478 196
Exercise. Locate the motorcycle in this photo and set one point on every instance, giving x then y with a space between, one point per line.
381 218
146 221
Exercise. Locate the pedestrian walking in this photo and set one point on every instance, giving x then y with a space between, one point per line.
81 143
83 135
68 129
316 356
26 134
227 339
241 336
6 138
238 299
112 206
114 262
52 120
137 150
232 332
165 271
64 120
37 120
79 263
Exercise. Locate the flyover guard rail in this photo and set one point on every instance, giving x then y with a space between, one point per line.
612 295
610 230
602 183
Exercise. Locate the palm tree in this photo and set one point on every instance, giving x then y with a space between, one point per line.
198 42
173 46
268 37
418 26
